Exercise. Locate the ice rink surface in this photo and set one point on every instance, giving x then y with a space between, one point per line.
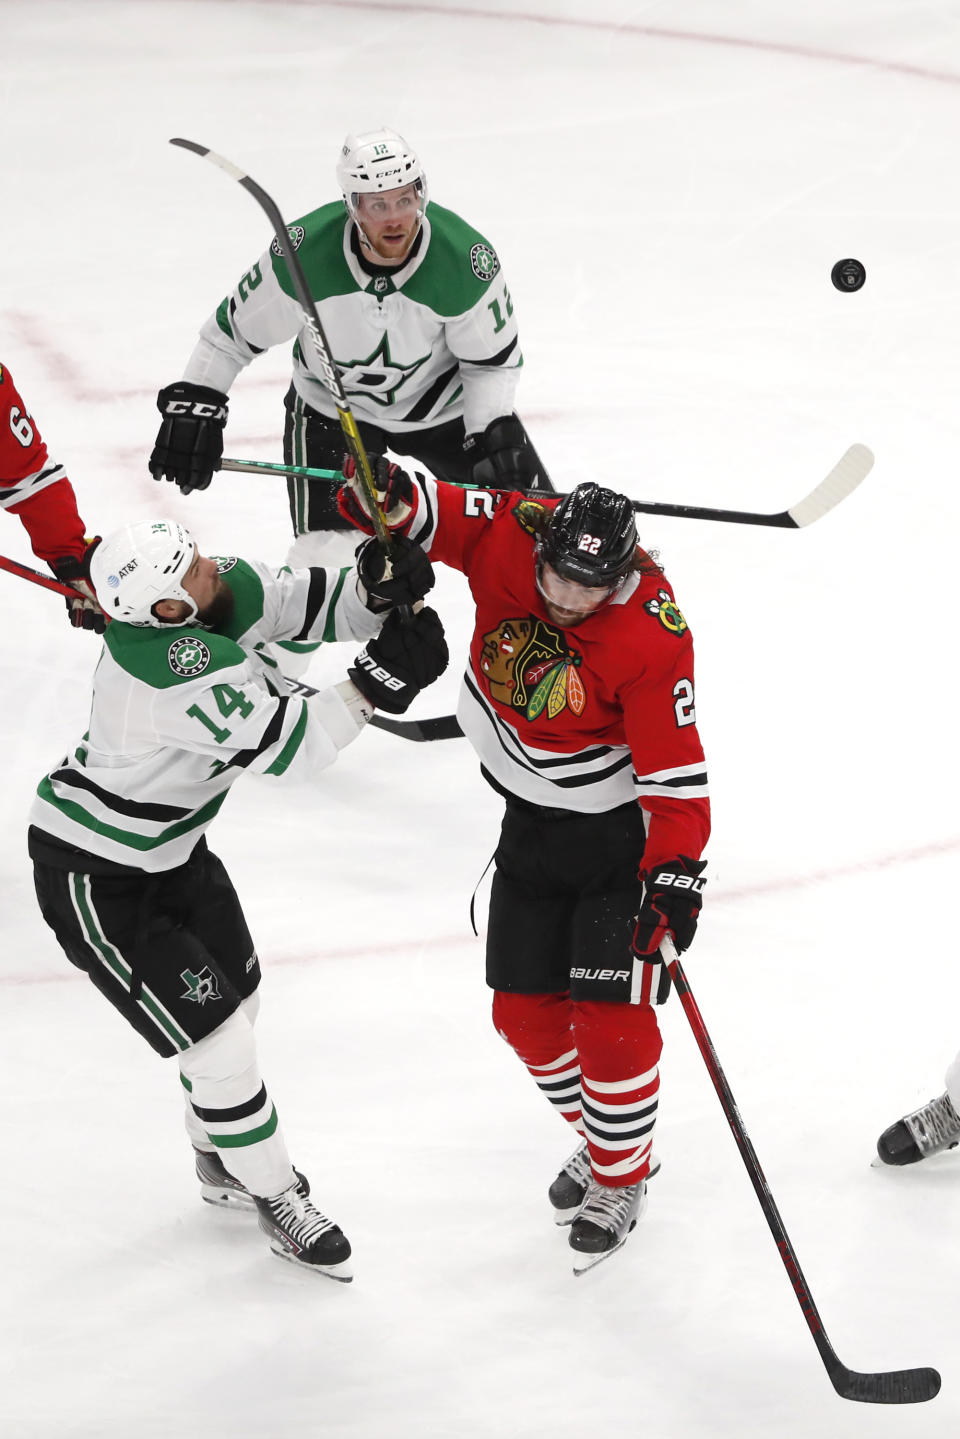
667 186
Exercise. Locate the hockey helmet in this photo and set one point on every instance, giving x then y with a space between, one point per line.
140 564
591 539
375 161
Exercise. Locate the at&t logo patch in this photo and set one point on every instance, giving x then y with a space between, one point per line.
188 657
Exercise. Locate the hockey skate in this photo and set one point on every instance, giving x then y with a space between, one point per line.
218 1186
928 1130
569 1189
606 1219
299 1232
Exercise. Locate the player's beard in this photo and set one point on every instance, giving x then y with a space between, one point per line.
219 612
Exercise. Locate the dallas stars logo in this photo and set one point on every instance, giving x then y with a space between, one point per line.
200 987
188 657
378 376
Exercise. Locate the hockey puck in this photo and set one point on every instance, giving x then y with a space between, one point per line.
848 275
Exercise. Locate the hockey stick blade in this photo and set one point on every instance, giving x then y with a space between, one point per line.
264 467
895 1386
442 727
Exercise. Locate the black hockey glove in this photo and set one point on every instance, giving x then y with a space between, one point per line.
673 894
84 613
396 496
189 443
400 578
502 459
405 657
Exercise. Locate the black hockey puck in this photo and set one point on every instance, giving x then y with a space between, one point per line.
848 275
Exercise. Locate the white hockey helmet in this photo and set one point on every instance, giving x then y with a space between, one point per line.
375 161
140 564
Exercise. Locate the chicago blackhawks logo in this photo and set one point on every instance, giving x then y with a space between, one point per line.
200 987
529 666
484 262
188 657
666 611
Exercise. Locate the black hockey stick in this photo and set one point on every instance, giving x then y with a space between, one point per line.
892 1386
852 467
36 577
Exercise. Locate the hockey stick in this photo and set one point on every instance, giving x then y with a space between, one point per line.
364 481
893 1386
852 468
37 577
444 727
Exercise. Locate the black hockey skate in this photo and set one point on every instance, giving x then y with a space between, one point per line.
607 1217
569 1189
299 1232
218 1186
928 1130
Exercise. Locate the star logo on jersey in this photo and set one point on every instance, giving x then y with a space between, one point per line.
296 234
224 563
377 377
529 666
666 611
188 657
484 262
200 987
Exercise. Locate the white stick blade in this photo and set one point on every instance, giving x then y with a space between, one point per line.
842 480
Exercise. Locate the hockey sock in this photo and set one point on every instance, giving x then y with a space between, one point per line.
619 1046
196 1132
537 1027
230 1101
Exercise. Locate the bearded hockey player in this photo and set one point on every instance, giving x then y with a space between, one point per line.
928 1130
579 701
36 489
184 703
420 324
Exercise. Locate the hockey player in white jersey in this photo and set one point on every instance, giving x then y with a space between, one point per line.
928 1130
185 700
420 324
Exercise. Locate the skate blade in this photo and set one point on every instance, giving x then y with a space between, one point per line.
225 1198
342 1272
590 1261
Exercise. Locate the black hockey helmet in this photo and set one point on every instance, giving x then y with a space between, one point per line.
591 538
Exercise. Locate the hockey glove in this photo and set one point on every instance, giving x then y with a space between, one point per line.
502 459
189 443
84 613
396 496
392 669
673 894
401 578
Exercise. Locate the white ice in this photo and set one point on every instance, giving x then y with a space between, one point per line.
668 186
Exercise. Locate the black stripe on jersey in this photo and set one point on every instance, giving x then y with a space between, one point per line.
134 808
535 766
271 734
426 524
254 349
316 594
427 400
23 487
497 359
679 781
239 1111
596 751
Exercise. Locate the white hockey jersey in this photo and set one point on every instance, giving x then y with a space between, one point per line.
180 713
428 342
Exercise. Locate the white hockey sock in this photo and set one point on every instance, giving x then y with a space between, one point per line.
196 1132
231 1104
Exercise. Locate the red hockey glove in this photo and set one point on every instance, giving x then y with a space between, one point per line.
396 496
673 894
85 613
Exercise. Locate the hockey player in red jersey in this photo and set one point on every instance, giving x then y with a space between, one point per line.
37 489
578 698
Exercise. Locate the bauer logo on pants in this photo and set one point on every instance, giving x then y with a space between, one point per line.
188 657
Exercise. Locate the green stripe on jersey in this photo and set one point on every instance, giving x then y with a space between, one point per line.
283 760
127 837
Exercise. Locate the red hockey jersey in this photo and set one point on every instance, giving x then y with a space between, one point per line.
31 484
585 718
